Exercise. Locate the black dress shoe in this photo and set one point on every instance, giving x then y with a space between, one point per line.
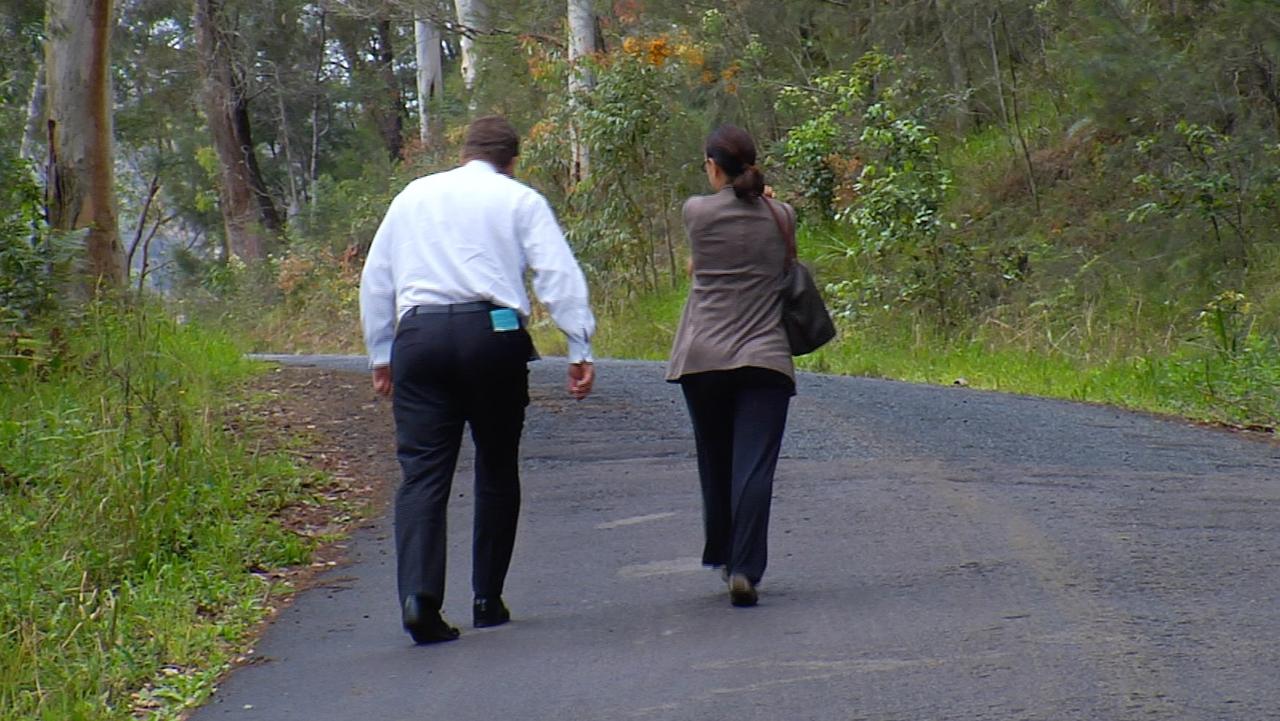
424 622
486 612
742 592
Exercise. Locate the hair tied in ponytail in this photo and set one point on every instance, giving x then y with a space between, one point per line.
732 148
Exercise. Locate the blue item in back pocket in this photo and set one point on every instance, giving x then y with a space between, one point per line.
504 319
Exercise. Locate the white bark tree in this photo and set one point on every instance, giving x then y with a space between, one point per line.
33 134
430 73
473 18
81 178
582 43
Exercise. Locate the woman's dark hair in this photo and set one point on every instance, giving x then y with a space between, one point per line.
735 152
491 138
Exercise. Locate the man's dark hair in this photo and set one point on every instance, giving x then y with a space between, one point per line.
491 138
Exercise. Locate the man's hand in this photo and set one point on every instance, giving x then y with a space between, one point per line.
581 377
382 381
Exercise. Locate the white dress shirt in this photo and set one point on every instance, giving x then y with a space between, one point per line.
464 235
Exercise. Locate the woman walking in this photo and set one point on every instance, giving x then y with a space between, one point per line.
731 356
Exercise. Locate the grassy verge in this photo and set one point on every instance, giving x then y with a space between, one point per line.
1240 390
1103 338
136 528
640 329
1224 377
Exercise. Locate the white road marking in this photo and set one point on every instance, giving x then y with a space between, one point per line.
690 564
633 520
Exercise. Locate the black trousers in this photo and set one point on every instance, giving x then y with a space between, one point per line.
451 369
738 420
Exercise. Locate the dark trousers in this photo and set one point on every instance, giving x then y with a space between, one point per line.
738 420
449 369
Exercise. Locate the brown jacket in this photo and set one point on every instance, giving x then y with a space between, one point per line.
733 316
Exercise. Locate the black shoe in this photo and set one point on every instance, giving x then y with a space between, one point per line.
486 612
424 622
742 592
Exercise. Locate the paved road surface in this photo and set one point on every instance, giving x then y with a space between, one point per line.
937 553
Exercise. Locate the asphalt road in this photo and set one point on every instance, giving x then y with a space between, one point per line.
936 553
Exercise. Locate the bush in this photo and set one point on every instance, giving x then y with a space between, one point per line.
34 262
642 130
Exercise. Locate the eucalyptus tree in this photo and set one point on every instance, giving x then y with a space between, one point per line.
81 178
251 221
582 45
473 19
429 71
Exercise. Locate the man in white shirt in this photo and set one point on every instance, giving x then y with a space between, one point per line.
443 305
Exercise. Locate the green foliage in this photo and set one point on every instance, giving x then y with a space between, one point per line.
346 213
643 329
891 192
1228 320
642 150
900 191
131 521
821 150
1214 178
22 31
34 262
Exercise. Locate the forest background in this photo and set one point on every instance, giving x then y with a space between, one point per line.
1077 198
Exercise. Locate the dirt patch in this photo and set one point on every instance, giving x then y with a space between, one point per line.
333 423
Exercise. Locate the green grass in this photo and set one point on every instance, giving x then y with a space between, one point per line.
1133 383
1117 356
641 328
132 521
1197 383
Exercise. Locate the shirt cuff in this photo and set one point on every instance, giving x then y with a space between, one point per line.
379 355
580 351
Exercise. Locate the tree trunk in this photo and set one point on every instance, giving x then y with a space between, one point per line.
317 93
430 76
960 84
582 43
472 17
249 215
292 168
1010 122
1017 114
389 114
81 188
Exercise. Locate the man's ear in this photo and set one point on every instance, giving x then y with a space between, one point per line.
510 168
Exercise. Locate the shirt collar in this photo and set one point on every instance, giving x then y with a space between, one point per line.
478 164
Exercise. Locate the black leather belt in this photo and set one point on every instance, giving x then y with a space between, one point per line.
472 307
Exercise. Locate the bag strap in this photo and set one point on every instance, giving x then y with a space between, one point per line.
788 233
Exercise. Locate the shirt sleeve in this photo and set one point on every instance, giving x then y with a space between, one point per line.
378 294
557 279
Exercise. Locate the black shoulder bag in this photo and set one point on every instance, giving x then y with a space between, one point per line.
804 315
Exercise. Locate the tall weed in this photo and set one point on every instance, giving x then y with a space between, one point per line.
131 521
